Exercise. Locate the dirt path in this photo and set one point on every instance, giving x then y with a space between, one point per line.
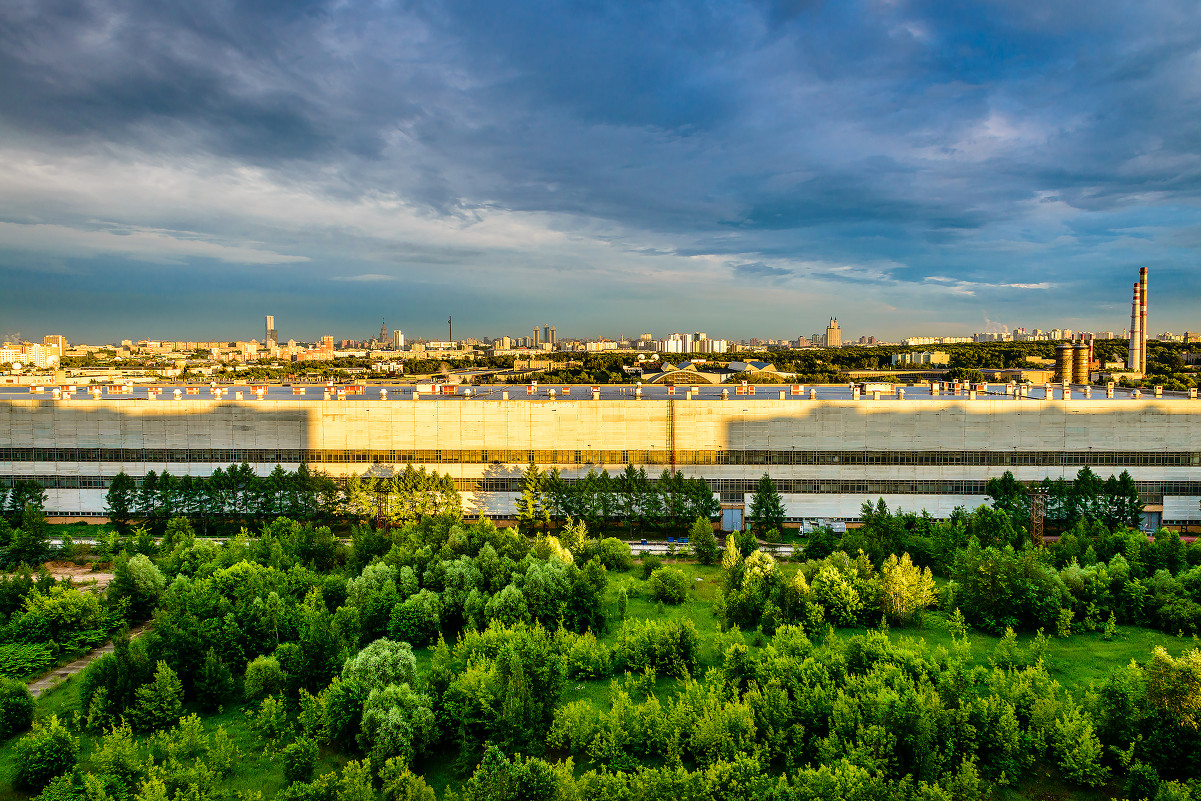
60 674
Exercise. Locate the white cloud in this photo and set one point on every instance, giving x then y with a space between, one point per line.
135 242
364 278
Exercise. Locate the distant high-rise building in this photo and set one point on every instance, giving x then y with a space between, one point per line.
833 334
548 334
271 336
56 339
398 339
534 341
384 339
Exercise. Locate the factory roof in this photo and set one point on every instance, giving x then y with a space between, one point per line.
301 393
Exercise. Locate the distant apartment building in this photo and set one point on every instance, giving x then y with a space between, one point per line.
833 334
925 358
911 341
31 354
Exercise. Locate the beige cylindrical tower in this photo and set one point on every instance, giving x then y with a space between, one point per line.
1080 364
1063 362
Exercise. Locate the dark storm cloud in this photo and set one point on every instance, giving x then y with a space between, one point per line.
963 140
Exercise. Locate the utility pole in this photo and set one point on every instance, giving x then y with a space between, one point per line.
451 325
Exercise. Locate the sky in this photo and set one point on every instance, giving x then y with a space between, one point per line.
177 170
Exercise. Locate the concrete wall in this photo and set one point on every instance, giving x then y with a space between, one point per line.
929 424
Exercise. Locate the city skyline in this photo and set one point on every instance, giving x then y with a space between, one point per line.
741 168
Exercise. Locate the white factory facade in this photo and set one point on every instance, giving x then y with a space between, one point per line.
826 456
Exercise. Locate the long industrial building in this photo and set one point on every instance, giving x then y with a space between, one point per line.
827 450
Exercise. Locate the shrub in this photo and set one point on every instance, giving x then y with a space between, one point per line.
1142 781
381 663
269 721
263 677
16 708
650 563
401 784
669 585
669 648
120 760
588 658
24 658
47 751
300 759
614 554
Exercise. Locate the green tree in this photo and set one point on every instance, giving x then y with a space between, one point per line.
1174 686
1009 496
401 784
397 723
47 751
381 663
264 676
532 508
905 589
703 542
214 683
300 759
120 498
30 544
159 704
16 707
139 581
822 542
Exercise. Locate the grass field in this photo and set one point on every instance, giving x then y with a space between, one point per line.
1075 662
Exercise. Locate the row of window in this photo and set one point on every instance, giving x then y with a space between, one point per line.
601 457
729 488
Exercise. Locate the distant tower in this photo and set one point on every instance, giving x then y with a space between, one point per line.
548 334
833 334
384 339
1142 325
272 337
398 339
535 340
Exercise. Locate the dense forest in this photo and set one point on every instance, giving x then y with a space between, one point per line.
441 658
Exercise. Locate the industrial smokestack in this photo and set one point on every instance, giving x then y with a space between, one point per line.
1132 351
1142 326
1135 360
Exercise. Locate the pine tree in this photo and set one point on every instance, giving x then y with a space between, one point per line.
30 543
214 683
531 506
767 508
119 500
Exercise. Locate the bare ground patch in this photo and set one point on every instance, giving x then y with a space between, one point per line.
81 575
